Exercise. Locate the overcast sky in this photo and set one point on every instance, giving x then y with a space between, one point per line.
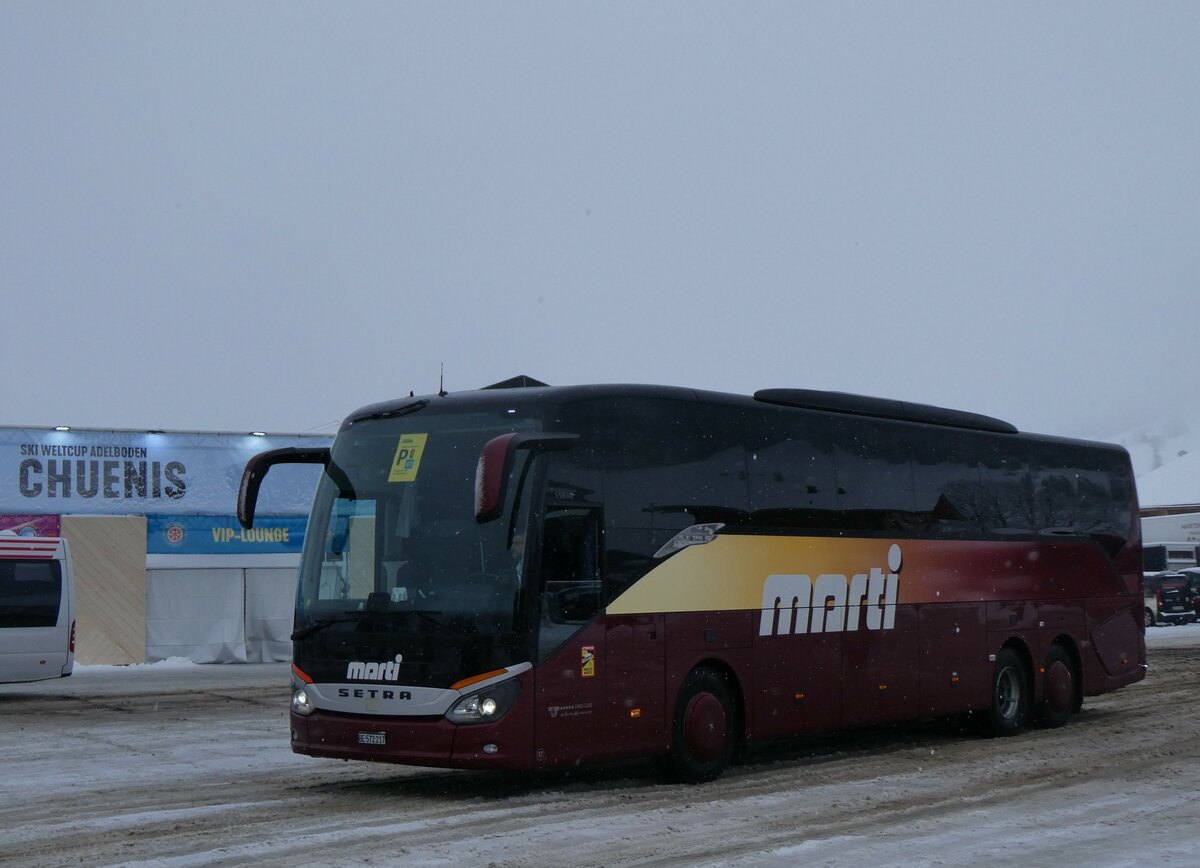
230 216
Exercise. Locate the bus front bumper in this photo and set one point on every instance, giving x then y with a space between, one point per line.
418 741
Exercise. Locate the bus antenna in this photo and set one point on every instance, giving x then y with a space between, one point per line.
442 380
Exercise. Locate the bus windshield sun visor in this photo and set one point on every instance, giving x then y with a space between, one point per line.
495 465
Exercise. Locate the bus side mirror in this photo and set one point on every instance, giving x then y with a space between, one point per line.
495 464
256 471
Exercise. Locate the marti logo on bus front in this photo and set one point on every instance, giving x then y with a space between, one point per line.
388 670
787 599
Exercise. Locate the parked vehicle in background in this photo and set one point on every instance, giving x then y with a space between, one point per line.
37 608
1168 556
1164 524
1192 576
1168 598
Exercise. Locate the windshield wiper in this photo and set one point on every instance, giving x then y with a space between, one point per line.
424 615
356 616
314 627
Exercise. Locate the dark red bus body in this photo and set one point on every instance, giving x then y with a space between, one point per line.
962 599
934 662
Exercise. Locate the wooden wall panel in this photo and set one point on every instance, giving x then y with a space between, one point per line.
109 557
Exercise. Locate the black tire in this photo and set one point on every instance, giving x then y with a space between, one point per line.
706 729
1059 688
1010 696
1149 617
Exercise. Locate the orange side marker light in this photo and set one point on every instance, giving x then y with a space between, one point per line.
466 682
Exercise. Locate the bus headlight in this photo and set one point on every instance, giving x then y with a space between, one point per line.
301 703
487 705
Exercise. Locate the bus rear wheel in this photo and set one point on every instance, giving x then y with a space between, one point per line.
1058 688
1010 696
704 732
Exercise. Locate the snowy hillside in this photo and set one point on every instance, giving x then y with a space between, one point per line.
1166 460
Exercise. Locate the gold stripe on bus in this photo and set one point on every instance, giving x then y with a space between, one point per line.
728 573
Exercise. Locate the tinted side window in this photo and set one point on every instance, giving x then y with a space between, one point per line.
570 590
1106 496
662 465
1008 476
1056 488
873 463
790 459
1051 487
947 492
30 593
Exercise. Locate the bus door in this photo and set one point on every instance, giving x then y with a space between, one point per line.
636 687
572 672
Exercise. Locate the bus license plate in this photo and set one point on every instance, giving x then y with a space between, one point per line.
372 738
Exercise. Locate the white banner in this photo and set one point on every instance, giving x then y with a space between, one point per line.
89 471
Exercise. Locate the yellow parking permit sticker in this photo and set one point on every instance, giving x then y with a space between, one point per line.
408 458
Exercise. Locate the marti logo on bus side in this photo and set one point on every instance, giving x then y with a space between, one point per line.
787 600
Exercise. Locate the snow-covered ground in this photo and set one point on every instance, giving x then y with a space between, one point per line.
180 764
1177 636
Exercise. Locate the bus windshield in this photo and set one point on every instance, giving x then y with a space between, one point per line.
396 567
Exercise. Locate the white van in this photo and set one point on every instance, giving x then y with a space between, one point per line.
37 608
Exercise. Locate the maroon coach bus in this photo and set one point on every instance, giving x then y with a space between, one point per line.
527 577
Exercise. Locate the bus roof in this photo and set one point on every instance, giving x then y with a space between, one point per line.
522 390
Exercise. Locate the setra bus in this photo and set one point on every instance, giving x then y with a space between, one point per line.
529 577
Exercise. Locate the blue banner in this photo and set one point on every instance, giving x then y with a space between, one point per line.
222 535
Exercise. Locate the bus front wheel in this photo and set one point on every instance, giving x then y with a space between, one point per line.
705 728
1010 696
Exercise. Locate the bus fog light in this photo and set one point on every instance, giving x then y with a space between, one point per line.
301 703
490 748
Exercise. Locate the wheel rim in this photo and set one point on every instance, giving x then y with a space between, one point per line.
704 727
1008 694
1060 687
